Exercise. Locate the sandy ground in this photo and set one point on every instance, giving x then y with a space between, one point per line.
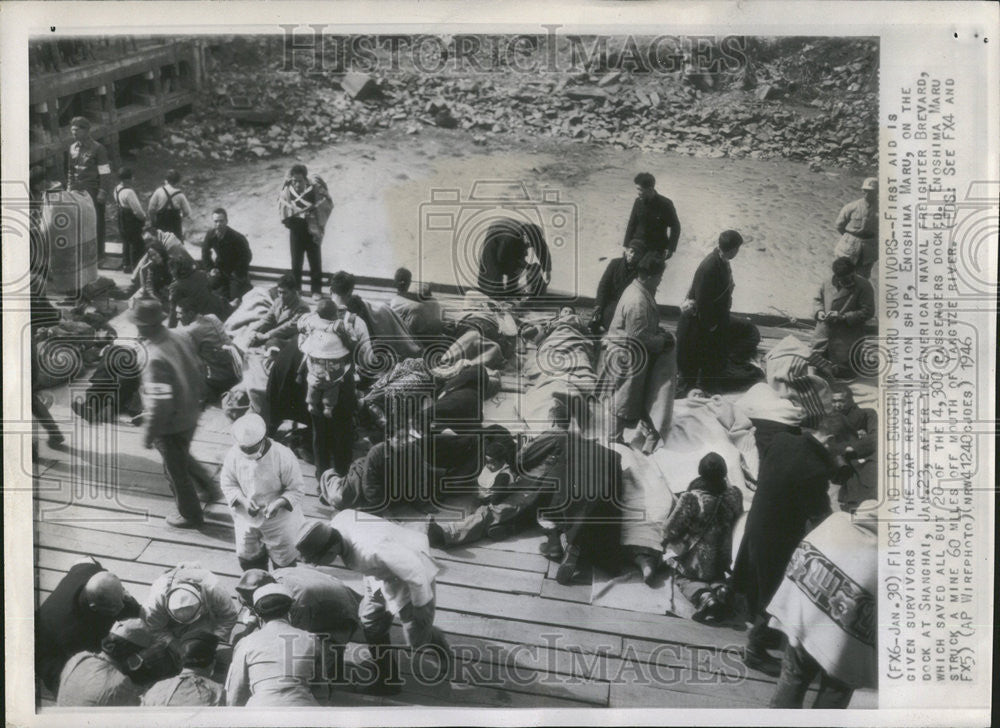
388 214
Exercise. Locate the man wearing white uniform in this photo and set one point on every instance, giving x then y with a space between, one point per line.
399 579
262 483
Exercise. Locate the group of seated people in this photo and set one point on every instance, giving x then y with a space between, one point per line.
409 385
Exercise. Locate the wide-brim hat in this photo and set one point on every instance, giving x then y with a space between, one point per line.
147 312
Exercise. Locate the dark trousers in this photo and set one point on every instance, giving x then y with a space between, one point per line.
100 211
702 355
302 245
182 470
232 285
333 437
42 416
798 670
132 248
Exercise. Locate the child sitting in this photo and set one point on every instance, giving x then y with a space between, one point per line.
698 536
495 478
326 345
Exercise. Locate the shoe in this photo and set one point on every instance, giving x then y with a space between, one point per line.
500 532
762 662
569 571
707 610
552 548
179 521
435 534
647 567
138 419
56 440
773 638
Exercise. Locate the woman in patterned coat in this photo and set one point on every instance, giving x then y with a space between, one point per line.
698 537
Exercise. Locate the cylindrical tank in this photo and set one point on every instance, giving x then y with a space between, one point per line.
69 223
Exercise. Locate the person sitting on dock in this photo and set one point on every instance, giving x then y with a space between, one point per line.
193 284
419 311
281 322
617 277
698 536
214 347
194 685
226 255
842 307
76 616
168 206
101 679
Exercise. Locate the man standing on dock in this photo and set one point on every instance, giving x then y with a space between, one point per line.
703 331
172 389
653 219
89 171
168 206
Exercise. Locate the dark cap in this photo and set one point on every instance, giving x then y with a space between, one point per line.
198 648
147 312
315 540
252 580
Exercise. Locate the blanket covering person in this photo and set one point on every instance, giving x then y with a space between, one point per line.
790 368
826 605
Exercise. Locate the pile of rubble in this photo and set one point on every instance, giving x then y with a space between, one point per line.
792 107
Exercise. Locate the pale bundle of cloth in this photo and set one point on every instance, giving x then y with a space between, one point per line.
791 373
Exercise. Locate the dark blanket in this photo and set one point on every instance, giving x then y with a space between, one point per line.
582 492
286 397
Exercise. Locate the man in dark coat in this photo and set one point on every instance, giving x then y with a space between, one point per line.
76 616
226 254
619 273
581 497
792 496
702 351
502 259
653 219
858 449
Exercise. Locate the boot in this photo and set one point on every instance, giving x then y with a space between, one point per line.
647 567
386 680
436 534
569 571
552 548
259 562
